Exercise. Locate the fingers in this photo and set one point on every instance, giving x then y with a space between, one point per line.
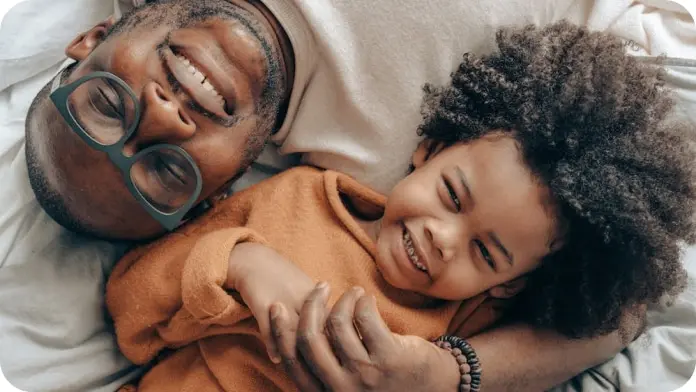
375 334
284 335
267 337
342 334
313 344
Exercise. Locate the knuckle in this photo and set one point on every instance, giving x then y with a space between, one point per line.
277 332
336 322
305 338
362 316
312 297
370 378
386 363
290 362
381 362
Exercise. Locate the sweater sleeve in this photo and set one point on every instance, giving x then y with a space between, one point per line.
171 293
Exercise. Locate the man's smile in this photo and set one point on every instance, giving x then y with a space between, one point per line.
200 81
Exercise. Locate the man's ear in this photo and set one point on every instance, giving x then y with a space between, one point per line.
509 289
426 149
85 43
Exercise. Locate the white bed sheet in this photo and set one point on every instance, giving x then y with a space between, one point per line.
53 335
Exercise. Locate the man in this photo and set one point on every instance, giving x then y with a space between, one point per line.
350 105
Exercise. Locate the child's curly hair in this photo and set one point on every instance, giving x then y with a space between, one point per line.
590 123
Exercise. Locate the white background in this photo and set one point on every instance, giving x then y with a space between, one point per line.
5 6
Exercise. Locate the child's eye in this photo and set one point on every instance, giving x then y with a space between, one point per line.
453 196
485 253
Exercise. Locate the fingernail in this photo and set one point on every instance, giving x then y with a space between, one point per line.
322 285
275 358
359 291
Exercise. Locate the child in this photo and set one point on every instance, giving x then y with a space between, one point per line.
547 171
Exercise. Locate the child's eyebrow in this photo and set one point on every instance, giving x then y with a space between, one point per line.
496 241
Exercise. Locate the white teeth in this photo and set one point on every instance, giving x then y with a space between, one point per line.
411 251
200 77
208 86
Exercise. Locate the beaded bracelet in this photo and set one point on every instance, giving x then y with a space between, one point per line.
466 358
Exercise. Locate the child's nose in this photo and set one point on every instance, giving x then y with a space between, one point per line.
443 239
163 119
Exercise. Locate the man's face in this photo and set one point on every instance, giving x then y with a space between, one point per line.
201 72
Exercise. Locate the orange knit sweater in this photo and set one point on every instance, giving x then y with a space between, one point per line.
169 295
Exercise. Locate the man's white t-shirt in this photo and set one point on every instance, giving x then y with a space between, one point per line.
369 62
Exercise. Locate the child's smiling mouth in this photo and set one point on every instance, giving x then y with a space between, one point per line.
412 253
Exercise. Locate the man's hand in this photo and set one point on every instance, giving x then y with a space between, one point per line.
351 349
263 277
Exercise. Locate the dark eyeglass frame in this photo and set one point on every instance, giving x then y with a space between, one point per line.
59 95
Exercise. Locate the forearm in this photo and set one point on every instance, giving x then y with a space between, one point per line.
520 358
244 256
173 293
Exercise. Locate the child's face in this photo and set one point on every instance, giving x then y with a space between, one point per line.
470 218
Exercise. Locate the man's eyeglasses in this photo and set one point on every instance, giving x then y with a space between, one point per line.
104 111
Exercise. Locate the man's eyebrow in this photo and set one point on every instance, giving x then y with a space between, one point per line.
465 185
496 241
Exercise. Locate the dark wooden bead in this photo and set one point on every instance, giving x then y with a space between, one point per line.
469 366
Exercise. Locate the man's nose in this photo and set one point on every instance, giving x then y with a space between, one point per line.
163 119
444 238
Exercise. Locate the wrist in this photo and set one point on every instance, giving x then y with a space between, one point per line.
447 370
466 359
239 256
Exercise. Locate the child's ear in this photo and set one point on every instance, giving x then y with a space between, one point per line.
509 289
84 44
426 149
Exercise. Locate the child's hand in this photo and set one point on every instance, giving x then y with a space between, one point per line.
263 277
